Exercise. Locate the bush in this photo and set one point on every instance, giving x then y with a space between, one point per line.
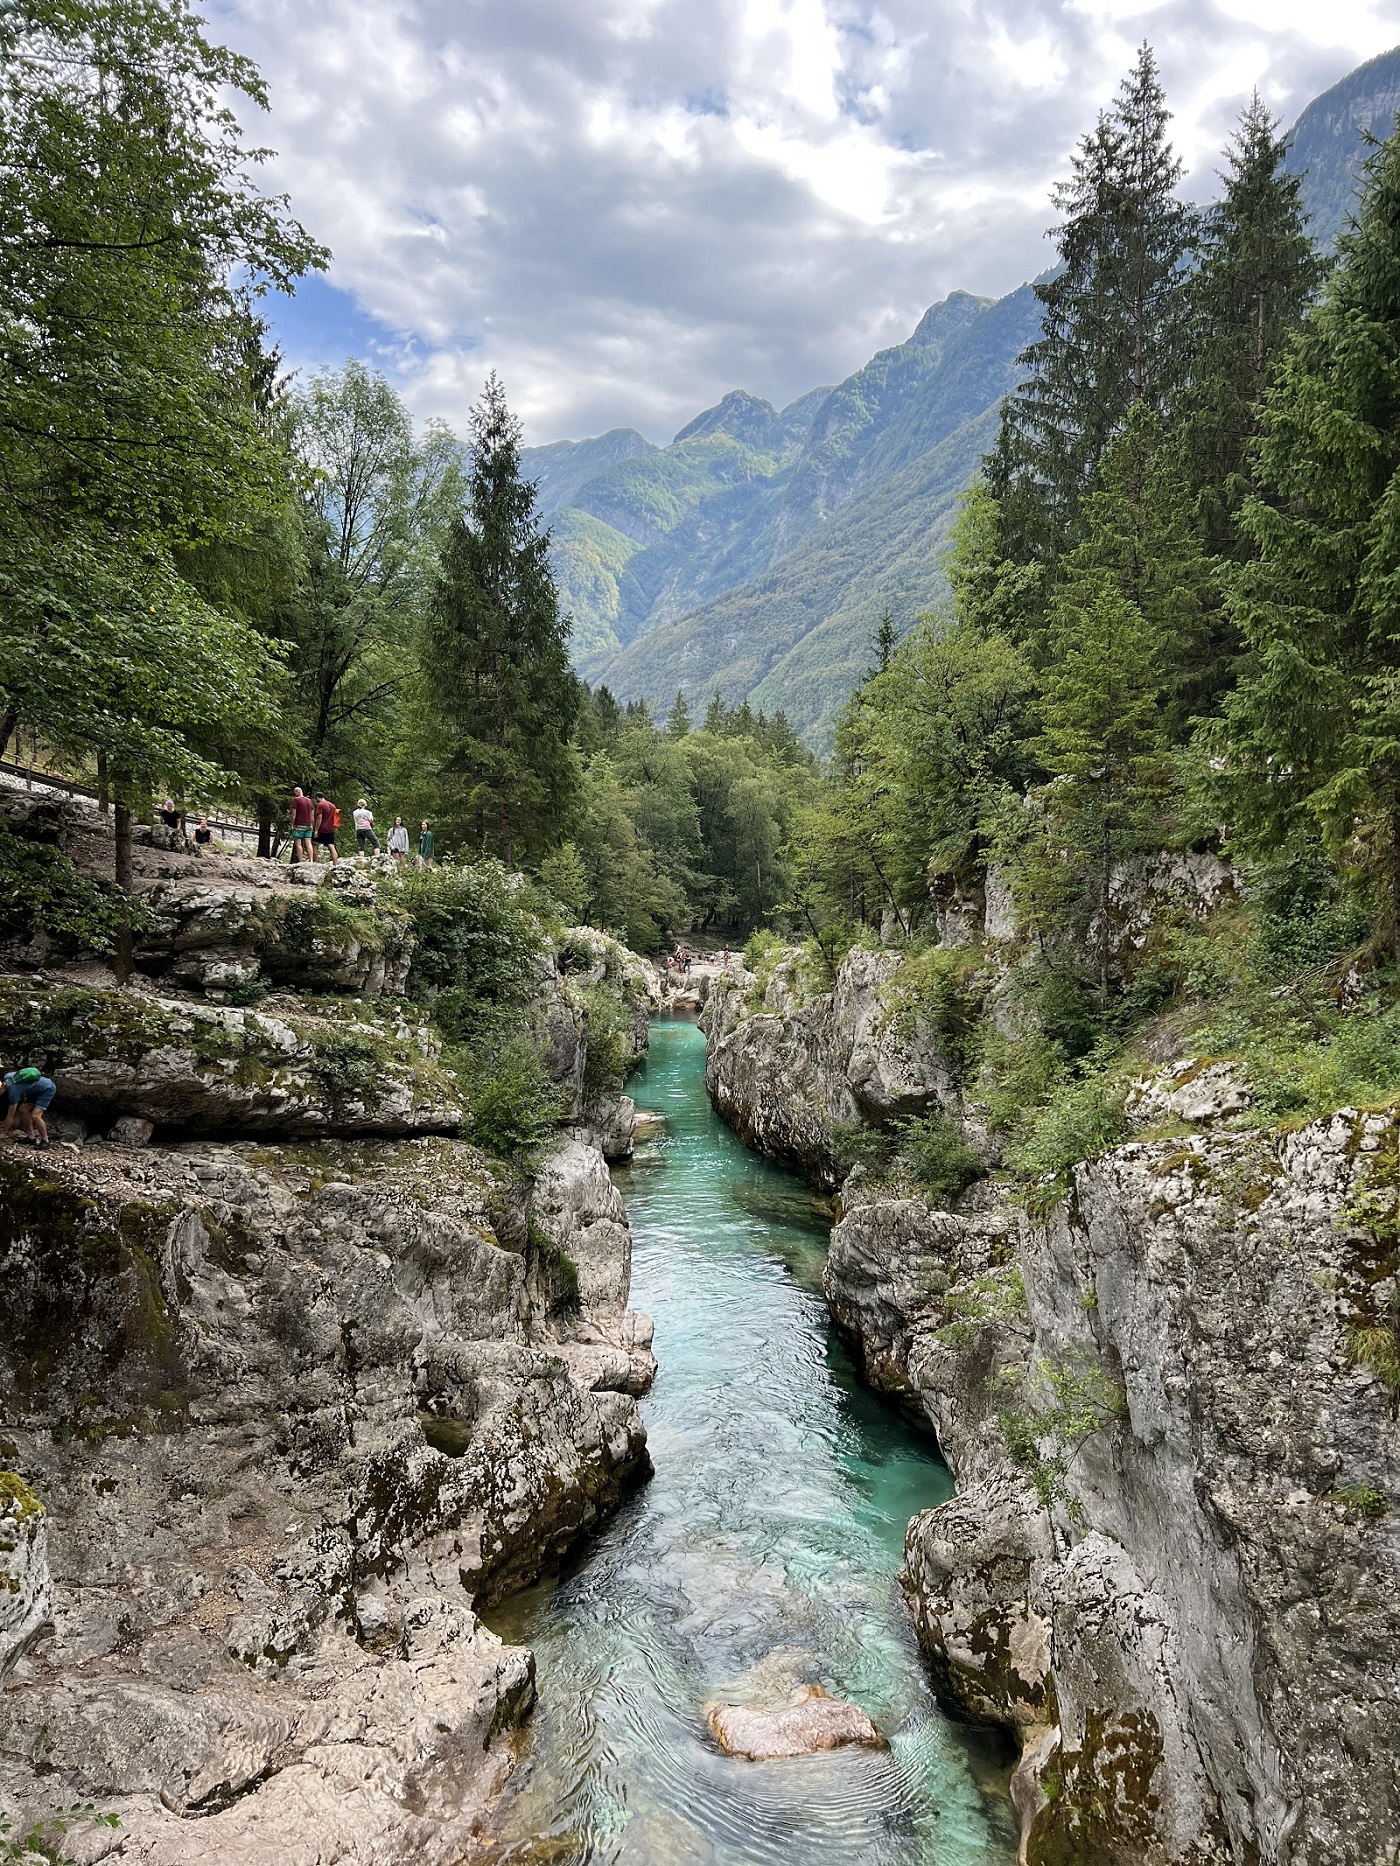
608 1059
475 930
939 1158
1082 1121
42 892
852 1143
514 1105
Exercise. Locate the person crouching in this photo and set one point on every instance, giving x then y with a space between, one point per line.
31 1091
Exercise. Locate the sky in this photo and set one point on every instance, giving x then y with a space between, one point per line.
628 207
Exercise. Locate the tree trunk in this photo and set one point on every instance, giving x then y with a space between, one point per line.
9 725
1395 878
265 826
104 788
121 865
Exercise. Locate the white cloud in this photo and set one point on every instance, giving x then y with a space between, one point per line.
630 206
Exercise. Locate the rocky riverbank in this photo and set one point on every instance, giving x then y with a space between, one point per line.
294 1378
1170 1571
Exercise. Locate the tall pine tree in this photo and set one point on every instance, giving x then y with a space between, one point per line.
1116 328
1258 272
498 698
1314 724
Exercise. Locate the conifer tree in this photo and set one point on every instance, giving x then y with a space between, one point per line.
678 723
1258 272
1314 724
1116 318
1137 527
1101 737
498 698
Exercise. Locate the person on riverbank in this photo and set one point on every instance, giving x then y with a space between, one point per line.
398 841
427 847
203 835
31 1091
365 839
303 822
327 823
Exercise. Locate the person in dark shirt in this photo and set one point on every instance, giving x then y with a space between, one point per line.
427 847
303 819
203 835
326 814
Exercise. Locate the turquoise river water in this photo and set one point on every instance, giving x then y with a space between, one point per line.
764 1553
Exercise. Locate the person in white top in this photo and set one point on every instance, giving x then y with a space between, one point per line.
365 837
398 841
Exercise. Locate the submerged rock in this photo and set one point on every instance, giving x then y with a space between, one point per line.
812 1721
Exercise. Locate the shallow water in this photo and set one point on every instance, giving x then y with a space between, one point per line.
763 1554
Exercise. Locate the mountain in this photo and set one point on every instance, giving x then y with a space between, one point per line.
1328 143
756 553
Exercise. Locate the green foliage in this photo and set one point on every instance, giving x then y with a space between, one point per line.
514 1105
995 1296
940 1160
1082 1120
1309 734
496 699
852 1143
133 246
474 929
1070 1400
1363 1500
1116 327
347 1068
609 1038
1377 1347
42 892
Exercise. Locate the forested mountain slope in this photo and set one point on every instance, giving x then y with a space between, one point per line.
757 552
1328 144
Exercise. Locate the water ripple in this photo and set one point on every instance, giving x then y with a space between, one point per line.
762 1555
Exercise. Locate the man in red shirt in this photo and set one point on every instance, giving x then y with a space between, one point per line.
326 815
303 818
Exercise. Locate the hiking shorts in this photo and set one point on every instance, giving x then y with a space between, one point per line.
366 839
38 1097
326 838
302 833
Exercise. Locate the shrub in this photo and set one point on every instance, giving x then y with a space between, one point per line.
947 989
1080 1122
514 1105
852 1143
474 929
42 892
347 1068
608 1059
939 1158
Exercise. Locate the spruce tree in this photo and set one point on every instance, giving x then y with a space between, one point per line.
1314 724
1115 329
1102 740
1138 526
1258 272
498 696
678 723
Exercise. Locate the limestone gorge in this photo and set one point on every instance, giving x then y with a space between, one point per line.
1169 1568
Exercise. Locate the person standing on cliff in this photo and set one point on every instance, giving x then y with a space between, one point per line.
31 1091
303 820
327 822
365 838
427 845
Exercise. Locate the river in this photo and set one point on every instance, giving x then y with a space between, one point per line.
764 1553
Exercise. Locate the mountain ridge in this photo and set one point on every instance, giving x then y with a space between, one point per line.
755 553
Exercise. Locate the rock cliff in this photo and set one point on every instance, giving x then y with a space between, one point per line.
293 1412
293 1377
1171 1567
787 1065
